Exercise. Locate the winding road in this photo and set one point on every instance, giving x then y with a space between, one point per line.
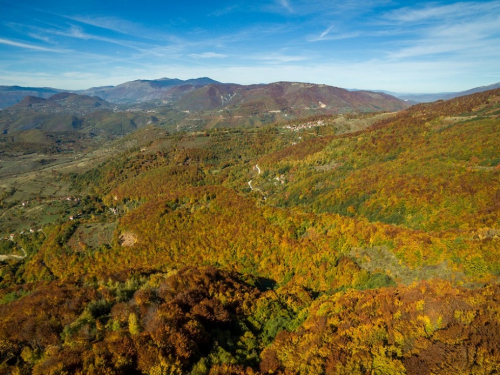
250 183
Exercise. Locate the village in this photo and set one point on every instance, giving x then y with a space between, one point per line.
306 125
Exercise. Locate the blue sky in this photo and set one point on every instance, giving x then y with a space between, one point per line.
417 46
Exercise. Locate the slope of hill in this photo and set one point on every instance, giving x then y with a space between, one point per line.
57 113
64 102
444 145
287 97
337 244
66 122
236 105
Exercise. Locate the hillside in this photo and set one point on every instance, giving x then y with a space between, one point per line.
60 112
291 96
68 122
254 105
338 244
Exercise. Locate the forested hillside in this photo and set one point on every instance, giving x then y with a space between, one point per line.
345 244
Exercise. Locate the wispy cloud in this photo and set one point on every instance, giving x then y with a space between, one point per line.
77 32
29 46
54 35
224 11
39 37
277 58
325 33
108 23
329 35
463 29
319 9
208 55
286 4
435 11
113 24
125 27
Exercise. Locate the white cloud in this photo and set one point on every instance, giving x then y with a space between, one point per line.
277 58
286 4
29 46
465 30
207 55
125 27
326 32
108 23
444 12
328 35
39 37
224 11
77 32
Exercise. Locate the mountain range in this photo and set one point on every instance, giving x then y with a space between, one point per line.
426 98
10 95
171 90
193 104
163 89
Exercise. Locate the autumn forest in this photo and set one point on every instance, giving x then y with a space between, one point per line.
357 243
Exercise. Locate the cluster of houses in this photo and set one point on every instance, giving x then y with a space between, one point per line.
280 178
307 125
69 199
13 235
114 211
134 109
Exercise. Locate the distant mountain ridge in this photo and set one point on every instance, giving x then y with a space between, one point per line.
292 97
205 103
63 102
191 104
171 90
138 91
427 98
147 90
197 104
10 95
